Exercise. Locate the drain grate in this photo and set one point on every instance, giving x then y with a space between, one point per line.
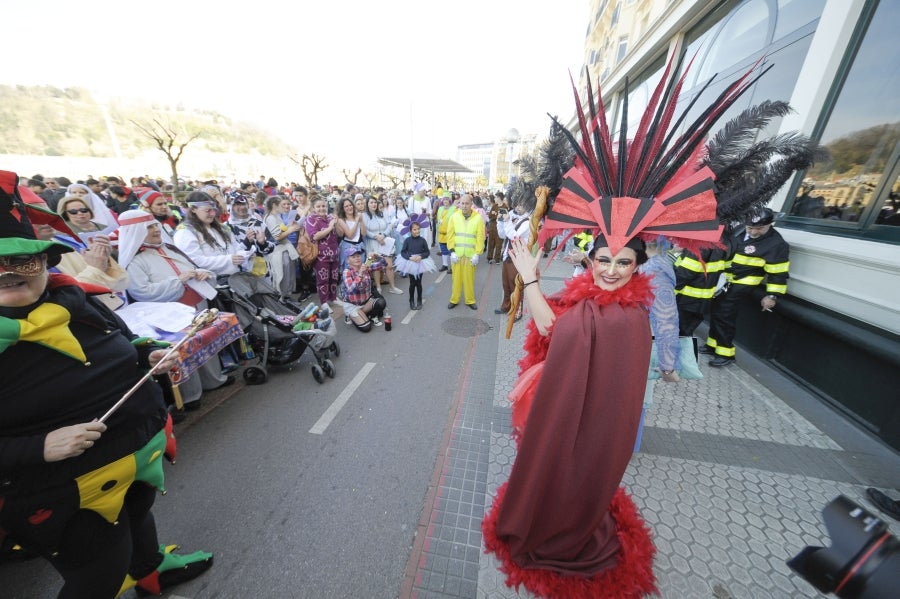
465 327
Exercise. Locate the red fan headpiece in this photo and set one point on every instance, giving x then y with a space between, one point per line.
650 186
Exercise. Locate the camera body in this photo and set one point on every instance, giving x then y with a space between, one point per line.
863 561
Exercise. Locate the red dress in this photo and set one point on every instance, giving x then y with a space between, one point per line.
561 526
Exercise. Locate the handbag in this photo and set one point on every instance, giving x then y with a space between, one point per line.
307 248
260 267
689 371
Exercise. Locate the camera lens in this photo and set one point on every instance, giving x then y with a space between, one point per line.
863 561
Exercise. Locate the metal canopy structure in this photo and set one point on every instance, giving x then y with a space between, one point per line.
435 165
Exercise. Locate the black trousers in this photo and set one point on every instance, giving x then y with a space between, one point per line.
95 556
723 319
690 314
306 278
415 288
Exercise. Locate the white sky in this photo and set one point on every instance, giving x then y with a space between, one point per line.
341 78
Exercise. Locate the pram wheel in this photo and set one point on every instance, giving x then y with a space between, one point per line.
328 367
335 349
318 374
254 375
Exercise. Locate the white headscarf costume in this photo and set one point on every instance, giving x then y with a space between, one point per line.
133 226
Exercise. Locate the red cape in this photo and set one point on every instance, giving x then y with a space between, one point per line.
556 526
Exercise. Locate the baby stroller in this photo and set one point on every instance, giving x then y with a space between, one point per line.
270 324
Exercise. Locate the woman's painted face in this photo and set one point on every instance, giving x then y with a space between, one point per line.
18 289
612 272
160 207
78 213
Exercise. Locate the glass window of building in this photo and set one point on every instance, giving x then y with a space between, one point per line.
855 192
744 33
623 49
794 14
718 57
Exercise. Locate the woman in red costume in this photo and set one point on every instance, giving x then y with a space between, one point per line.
561 526
550 525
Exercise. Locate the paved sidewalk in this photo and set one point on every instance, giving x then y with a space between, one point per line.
730 477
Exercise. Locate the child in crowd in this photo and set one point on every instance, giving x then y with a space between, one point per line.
414 261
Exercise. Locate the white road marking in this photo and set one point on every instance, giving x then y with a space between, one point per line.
408 317
332 411
441 277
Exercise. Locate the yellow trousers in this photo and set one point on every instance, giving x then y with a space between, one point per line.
463 281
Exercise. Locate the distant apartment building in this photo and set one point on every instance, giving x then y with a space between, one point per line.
493 163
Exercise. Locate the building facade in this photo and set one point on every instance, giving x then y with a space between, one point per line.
838 64
493 163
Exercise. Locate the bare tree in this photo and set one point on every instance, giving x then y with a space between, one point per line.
351 179
395 180
166 138
312 165
370 179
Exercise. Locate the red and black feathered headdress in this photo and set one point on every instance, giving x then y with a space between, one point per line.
650 186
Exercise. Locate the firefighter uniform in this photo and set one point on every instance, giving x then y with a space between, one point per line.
696 279
754 262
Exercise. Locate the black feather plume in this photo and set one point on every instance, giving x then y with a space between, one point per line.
745 165
732 139
754 192
748 174
555 159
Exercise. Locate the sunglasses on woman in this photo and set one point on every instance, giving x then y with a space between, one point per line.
74 211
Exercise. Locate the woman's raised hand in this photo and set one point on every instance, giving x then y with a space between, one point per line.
523 260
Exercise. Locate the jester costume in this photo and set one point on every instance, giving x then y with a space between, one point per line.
65 360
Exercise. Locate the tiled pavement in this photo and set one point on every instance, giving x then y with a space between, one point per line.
730 479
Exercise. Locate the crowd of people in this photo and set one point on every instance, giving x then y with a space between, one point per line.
259 227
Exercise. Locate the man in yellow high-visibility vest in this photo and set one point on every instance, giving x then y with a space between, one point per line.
465 240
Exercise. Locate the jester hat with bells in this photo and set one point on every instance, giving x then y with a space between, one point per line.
647 186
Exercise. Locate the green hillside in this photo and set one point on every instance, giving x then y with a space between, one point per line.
49 121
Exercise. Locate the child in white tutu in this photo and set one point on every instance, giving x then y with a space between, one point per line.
414 261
